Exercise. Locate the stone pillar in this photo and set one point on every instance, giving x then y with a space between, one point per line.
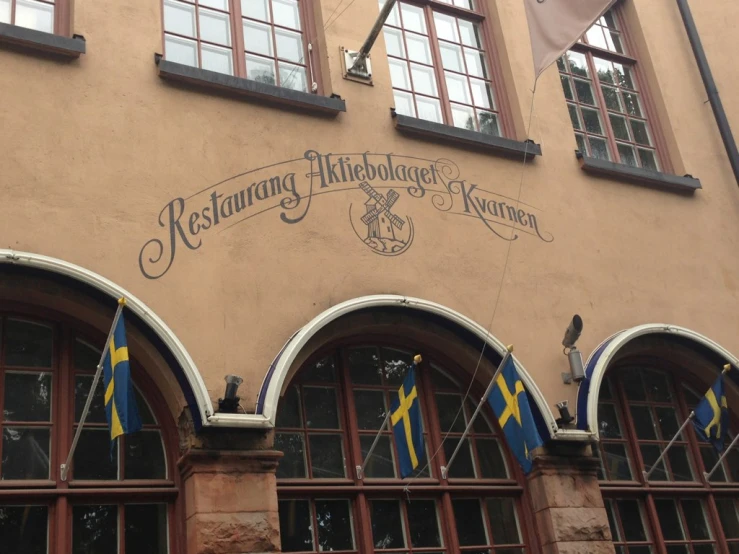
230 501
568 506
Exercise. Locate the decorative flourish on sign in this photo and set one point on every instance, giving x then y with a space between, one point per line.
383 183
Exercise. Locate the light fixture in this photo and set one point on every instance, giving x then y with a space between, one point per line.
564 413
230 402
577 368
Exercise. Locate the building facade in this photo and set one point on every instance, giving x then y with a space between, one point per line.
270 216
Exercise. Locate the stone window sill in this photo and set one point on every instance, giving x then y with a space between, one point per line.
637 175
463 137
247 89
38 41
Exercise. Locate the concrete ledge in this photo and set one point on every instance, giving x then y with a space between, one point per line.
248 89
38 41
463 137
637 175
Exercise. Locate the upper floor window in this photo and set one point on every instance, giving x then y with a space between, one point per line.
641 408
605 97
41 15
326 423
263 40
440 64
113 501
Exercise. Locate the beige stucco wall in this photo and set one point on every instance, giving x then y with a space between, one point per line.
93 150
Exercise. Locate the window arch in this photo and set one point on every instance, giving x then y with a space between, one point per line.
326 422
121 500
641 407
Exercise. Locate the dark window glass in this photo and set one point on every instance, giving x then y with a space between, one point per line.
24 529
85 357
470 526
289 413
335 527
27 396
96 413
25 453
387 526
296 526
292 463
380 464
322 371
94 529
27 344
503 521
463 466
364 366
424 524
327 456
145 456
146 529
94 458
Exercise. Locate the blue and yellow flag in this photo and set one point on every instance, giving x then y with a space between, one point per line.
511 406
405 416
711 419
120 401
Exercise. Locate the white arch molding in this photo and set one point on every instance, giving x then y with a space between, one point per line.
269 395
599 360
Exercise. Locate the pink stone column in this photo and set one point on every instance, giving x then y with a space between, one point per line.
230 501
568 506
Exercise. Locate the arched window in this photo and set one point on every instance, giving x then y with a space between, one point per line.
326 423
119 500
678 511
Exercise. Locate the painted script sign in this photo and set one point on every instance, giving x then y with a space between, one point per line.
384 187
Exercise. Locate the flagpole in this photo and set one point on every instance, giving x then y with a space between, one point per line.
646 474
445 469
360 469
65 466
726 370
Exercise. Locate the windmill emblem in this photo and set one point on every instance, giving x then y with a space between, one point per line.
384 228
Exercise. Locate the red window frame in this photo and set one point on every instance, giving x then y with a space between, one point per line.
654 495
491 65
59 496
61 19
646 109
236 20
362 492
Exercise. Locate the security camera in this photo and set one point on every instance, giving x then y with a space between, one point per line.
573 332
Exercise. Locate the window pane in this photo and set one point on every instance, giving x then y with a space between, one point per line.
180 50
592 121
27 344
632 519
446 27
475 63
641 135
631 100
215 27
381 463
620 128
608 422
4 11
574 116
418 49
94 529
584 92
470 528
25 453
482 94
370 408
217 4
709 457
503 521
462 467
470 33
627 155
424 79
457 88
633 385
578 64
288 411
293 77
644 422
179 18
413 18
260 70
428 109
146 528
617 462
145 456
598 147
321 409
695 517
327 456
94 458
387 524
322 371
296 527
34 15
364 363
82 385
397 362
490 459
613 101
451 57
581 145
335 527
669 519
623 76
424 524
650 453
679 463
448 407
27 396
729 517
217 59
289 45
286 13
257 38
404 104
648 159
24 529
394 42
292 464
86 357
256 9
567 87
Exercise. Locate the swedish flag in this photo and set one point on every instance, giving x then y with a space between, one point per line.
405 416
120 401
711 419
511 406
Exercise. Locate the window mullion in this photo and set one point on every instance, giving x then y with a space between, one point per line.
603 109
446 108
238 39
